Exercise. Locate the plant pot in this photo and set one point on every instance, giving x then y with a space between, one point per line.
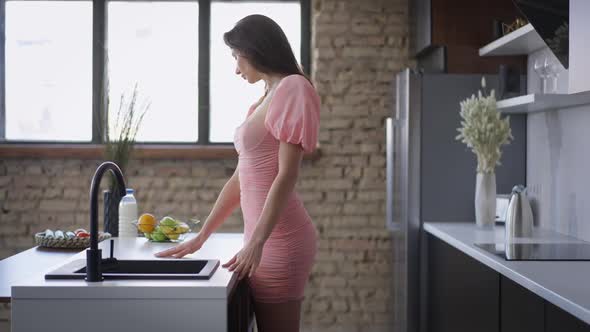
485 199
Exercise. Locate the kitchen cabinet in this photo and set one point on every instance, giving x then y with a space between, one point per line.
221 303
455 30
240 311
557 320
520 310
463 294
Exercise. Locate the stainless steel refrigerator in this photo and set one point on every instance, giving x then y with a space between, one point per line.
431 176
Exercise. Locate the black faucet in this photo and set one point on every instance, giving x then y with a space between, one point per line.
94 255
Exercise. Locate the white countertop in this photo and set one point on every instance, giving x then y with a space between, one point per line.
220 246
563 283
18 267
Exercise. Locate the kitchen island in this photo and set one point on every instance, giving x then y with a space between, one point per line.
217 304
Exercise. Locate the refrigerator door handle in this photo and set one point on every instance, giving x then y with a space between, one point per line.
397 97
391 223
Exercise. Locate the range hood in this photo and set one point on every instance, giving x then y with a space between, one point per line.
550 18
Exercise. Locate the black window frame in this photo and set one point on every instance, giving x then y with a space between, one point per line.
99 56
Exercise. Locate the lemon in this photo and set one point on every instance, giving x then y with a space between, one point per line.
146 223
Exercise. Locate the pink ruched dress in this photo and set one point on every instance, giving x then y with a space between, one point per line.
292 115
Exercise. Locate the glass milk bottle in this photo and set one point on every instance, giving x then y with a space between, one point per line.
128 215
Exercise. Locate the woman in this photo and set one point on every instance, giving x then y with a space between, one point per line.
279 239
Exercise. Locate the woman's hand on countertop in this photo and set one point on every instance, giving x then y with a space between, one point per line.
183 249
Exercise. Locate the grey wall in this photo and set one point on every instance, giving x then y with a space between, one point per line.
558 166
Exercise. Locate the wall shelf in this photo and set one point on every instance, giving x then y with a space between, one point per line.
524 40
542 102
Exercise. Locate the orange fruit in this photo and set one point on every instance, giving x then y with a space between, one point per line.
146 223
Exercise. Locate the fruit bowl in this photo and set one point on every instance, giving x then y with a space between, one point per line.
177 237
167 229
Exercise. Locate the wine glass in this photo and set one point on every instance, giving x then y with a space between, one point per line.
541 67
553 70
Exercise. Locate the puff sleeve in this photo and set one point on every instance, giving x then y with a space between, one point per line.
293 115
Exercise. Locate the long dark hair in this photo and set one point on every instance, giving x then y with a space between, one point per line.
262 41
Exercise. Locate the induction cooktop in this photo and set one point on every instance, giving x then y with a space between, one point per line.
539 251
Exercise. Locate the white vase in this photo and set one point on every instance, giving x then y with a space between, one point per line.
485 199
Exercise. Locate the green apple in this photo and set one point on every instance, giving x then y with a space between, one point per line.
158 236
168 221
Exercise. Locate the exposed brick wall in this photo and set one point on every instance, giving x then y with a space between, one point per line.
40 194
358 45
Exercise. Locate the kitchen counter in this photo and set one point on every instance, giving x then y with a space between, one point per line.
175 303
19 267
220 246
563 283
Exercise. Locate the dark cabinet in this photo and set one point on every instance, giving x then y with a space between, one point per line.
463 294
455 30
240 311
520 310
557 320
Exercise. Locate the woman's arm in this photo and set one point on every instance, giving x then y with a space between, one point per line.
247 260
226 203
224 206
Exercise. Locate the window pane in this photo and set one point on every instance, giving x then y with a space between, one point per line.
228 113
49 70
155 44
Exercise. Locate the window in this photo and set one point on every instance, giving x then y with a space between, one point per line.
48 70
172 50
155 45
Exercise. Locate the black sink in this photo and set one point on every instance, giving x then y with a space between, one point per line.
141 269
